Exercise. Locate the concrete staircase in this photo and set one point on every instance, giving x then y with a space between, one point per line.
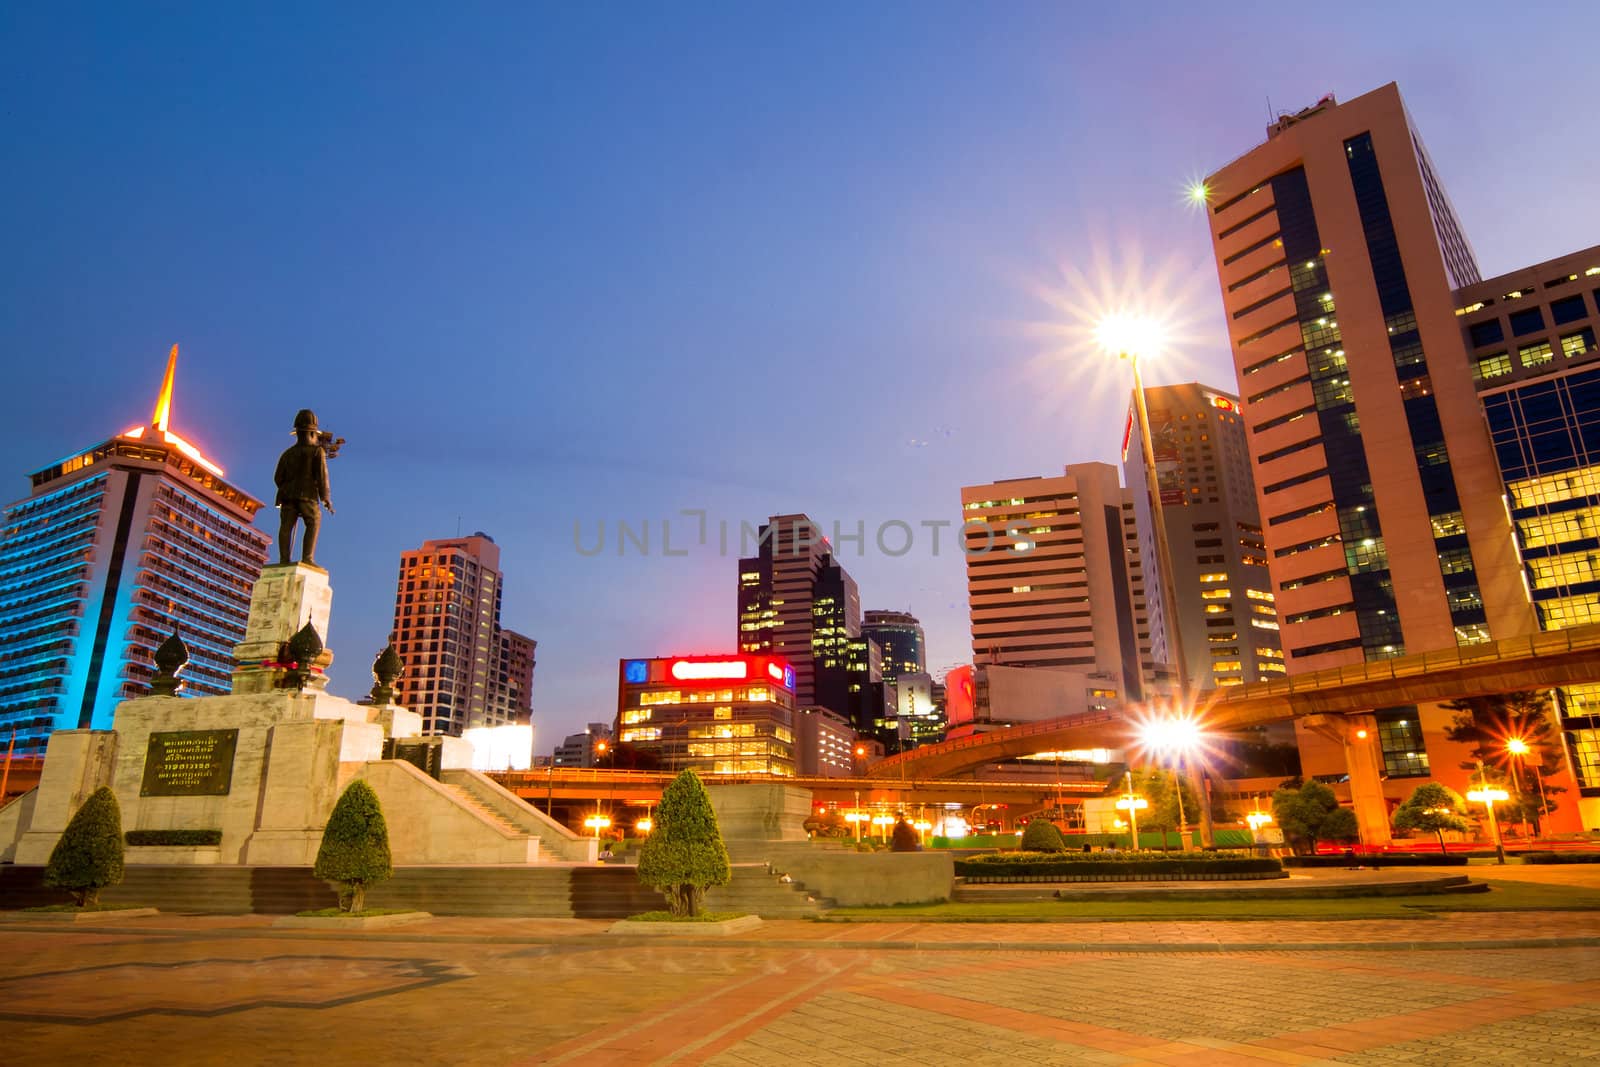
464 798
755 890
186 889
556 841
543 890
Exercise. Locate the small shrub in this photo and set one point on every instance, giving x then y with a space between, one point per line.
89 855
1076 864
904 837
355 846
1561 857
685 855
1041 835
173 838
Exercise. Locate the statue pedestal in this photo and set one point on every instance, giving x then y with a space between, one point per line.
284 599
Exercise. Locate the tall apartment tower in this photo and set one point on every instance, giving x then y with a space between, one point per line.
797 602
1338 254
1532 335
1228 624
1054 581
447 630
900 638
115 548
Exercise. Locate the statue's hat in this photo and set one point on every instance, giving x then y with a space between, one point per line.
305 419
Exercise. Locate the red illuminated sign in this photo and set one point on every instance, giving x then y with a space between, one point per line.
688 670
1222 402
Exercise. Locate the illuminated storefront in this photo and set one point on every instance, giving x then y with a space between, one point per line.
732 714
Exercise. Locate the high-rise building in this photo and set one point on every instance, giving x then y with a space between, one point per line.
797 602
1532 335
1227 622
115 548
1338 254
730 714
899 637
511 694
447 630
582 750
1054 583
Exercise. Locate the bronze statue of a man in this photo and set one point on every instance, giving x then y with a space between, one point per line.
302 480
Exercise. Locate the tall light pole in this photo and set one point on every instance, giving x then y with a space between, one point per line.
1518 749
1488 796
1131 804
1125 336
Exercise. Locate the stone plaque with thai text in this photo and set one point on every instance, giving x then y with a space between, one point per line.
189 763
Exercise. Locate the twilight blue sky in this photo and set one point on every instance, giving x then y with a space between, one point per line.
547 264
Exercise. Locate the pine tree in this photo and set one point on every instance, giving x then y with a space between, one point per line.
89 855
355 846
684 854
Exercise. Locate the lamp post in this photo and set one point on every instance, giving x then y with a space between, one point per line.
1175 736
855 819
1131 804
1124 336
597 823
1488 796
1518 749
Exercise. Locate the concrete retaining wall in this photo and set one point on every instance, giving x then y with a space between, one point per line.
862 879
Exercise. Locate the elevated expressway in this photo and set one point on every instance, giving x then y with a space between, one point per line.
1336 702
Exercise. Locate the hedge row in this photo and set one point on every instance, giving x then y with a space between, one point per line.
173 838
1034 864
1379 859
1561 857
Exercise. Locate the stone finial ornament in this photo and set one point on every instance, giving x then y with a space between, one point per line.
170 658
385 670
304 648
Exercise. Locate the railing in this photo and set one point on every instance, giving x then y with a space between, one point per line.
1018 733
1531 646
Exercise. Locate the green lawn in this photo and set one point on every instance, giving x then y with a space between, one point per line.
1503 896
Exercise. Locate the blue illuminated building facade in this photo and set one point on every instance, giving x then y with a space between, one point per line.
115 548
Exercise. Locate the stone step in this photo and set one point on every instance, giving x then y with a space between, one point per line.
590 892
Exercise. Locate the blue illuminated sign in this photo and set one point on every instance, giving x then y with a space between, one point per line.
636 672
788 677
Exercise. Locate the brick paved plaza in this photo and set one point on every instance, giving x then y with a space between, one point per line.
1486 988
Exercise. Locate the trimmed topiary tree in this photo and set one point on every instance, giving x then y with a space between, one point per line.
684 854
89 855
355 846
1432 808
1041 835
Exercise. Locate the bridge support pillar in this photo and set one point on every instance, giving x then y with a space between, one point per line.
1363 760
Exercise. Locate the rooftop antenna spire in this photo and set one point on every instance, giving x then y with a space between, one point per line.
163 411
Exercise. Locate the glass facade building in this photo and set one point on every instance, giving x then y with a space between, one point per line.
1532 337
